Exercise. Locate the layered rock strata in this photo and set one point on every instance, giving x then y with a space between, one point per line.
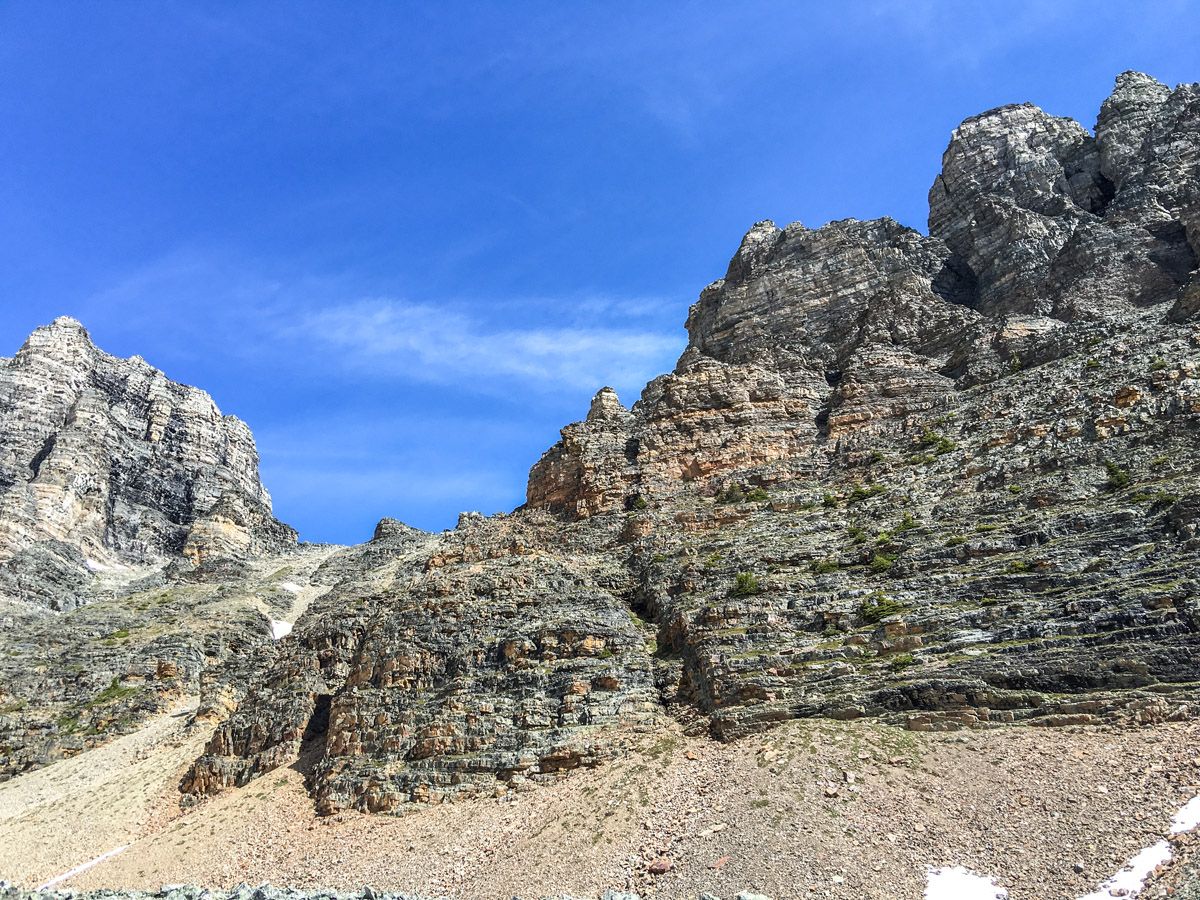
105 463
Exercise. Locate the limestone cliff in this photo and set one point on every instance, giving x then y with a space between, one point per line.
105 462
942 480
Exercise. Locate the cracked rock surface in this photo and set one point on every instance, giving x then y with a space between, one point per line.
940 481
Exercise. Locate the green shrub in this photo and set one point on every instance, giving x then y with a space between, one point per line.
956 540
902 661
1117 477
828 501
881 562
1018 565
908 523
1158 364
1015 488
1092 364
938 443
878 607
111 694
864 491
637 502
823 566
745 584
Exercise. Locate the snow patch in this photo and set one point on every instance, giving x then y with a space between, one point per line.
1187 818
94 566
80 868
958 883
280 629
291 587
1131 879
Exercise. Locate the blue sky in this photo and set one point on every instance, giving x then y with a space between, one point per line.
407 242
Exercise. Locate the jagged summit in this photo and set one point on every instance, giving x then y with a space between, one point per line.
942 480
106 462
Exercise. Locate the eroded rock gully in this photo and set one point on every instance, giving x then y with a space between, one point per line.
944 480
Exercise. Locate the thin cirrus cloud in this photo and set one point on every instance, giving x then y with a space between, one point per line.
422 342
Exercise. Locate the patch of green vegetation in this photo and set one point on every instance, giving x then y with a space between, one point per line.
712 560
111 694
882 562
864 491
1154 498
938 443
1159 461
829 501
735 493
745 584
921 459
857 533
901 661
884 537
908 523
1158 364
14 707
956 540
1117 477
636 503
1015 488
67 723
824 566
1018 565
1092 363
879 606
985 528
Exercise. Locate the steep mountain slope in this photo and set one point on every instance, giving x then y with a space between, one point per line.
945 481
105 463
137 548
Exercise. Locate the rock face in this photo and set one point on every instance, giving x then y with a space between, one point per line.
439 667
104 462
945 481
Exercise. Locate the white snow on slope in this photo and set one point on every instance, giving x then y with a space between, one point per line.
957 883
71 873
280 629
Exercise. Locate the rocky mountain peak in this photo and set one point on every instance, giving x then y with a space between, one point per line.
606 405
106 462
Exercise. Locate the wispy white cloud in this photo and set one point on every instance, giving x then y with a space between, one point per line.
418 341
539 344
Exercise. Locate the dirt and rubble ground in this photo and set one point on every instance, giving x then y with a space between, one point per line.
812 808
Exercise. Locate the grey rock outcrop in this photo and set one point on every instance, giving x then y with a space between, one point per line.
945 481
105 463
